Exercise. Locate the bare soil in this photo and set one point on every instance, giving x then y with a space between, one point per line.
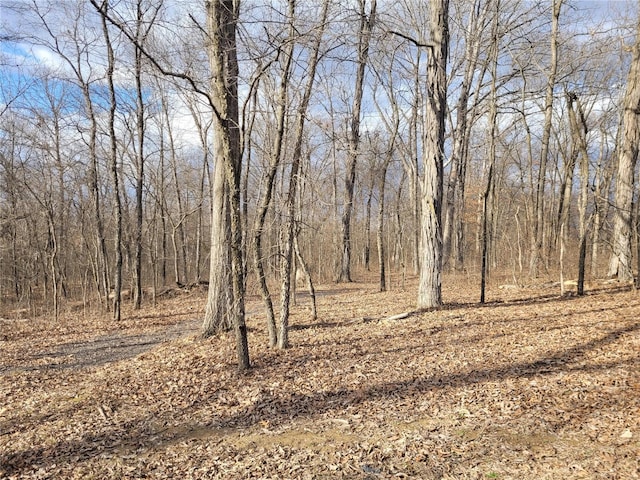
531 385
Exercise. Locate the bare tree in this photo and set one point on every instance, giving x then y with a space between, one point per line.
364 37
290 231
75 50
430 286
539 224
286 52
222 17
103 8
141 32
453 208
579 131
488 196
620 264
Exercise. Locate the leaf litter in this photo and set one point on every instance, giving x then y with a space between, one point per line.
531 385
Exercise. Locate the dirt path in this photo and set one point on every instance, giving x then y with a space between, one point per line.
101 350
117 346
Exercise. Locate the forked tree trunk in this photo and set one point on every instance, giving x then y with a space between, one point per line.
579 130
290 232
274 164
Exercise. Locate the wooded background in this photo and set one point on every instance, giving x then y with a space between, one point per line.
108 143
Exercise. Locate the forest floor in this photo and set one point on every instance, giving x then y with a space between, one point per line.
531 385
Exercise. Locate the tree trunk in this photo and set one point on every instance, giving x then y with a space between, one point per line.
221 24
274 164
453 237
217 317
579 129
430 286
620 264
367 224
364 38
539 224
113 166
140 132
603 174
290 232
488 196
179 249
380 234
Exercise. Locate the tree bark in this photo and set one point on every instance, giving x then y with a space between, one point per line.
222 18
620 264
430 283
218 310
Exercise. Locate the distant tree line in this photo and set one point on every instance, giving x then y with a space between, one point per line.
145 143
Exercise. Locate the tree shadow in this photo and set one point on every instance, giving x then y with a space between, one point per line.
136 433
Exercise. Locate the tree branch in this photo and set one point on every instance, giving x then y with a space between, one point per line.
154 61
408 38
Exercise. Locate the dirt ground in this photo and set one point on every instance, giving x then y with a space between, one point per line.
531 385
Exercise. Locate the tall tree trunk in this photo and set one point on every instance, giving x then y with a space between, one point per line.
539 224
367 223
218 310
177 232
488 196
274 164
579 130
102 258
222 18
380 233
430 284
113 166
290 204
140 159
393 125
163 215
603 174
620 264
364 38
201 203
